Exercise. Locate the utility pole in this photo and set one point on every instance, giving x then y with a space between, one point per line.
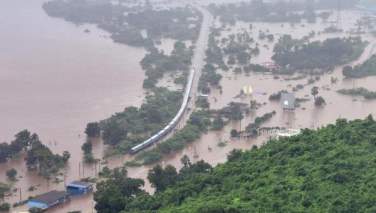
83 170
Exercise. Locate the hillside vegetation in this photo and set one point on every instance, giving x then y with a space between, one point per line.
328 170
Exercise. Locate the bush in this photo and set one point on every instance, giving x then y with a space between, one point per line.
12 174
4 207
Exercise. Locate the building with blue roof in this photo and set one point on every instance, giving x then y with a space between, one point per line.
79 188
48 200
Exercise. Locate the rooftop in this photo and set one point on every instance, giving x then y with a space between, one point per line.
50 197
288 100
80 184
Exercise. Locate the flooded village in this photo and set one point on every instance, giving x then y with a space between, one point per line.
70 71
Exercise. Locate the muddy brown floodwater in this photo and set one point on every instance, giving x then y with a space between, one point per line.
54 78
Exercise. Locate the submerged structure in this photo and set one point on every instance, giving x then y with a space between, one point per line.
48 200
288 101
79 188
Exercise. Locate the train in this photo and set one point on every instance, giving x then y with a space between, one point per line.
173 123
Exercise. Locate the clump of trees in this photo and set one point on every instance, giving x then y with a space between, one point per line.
199 122
277 96
12 174
4 188
119 192
252 128
156 64
18 145
126 23
134 125
361 91
318 100
38 156
368 68
4 207
87 149
93 130
297 55
290 174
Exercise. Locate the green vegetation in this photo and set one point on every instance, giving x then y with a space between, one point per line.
118 191
160 178
368 68
252 128
87 148
198 123
4 207
93 130
134 125
4 188
296 55
202 102
214 61
277 11
361 91
326 170
156 64
320 101
127 23
218 123
12 174
277 96
18 145
38 156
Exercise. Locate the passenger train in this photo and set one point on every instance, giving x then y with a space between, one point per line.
155 138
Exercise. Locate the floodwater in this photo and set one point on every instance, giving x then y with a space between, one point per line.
209 149
55 78
66 89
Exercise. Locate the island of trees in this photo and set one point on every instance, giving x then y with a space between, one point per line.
360 91
135 25
316 57
38 156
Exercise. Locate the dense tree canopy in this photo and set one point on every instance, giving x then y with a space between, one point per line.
38 155
126 23
294 55
368 68
326 170
134 125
